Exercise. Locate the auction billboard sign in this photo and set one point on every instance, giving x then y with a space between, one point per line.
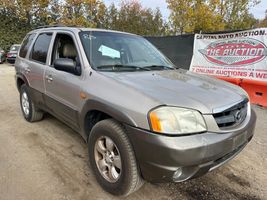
237 54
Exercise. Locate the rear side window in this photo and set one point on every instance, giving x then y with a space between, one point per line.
25 45
40 47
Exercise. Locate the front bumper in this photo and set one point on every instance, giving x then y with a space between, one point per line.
165 158
11 60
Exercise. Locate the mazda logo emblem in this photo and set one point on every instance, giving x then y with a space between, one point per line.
238 115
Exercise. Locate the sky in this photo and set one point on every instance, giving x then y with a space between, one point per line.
258 11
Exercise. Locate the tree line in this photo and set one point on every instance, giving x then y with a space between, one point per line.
186 16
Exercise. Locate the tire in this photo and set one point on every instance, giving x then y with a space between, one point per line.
28 108
129 179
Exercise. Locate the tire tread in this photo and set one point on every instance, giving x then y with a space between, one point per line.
135 181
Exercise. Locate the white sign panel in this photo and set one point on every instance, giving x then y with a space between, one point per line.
238 54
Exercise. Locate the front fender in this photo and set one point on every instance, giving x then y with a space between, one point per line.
97 105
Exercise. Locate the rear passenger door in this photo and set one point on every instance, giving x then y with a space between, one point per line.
37 61
22 64
62 89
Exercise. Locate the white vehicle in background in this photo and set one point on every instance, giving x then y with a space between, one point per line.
12 54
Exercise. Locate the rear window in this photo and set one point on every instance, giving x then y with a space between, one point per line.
40 47
25 45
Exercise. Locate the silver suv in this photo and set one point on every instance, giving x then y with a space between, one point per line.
142 117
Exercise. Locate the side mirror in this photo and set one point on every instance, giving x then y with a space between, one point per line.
67 65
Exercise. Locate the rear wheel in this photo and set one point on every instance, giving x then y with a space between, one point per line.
28 108
112 158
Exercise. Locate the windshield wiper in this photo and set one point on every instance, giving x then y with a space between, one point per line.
157 67
121 67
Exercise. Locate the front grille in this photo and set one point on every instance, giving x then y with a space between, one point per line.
232 116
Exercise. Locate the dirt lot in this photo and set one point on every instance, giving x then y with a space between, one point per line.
48 160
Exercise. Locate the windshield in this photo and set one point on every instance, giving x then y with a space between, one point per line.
14 48
109 51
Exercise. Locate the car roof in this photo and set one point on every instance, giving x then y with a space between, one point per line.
74 29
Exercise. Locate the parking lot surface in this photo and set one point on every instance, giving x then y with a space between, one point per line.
48 160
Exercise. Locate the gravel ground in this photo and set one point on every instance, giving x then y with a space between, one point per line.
48 160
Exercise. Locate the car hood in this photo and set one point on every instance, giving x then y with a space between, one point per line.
13 52
182 88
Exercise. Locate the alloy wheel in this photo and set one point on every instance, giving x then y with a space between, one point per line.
108 159
25 103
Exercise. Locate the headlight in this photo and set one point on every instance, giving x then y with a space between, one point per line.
174 120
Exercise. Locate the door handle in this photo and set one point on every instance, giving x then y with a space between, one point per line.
27 70
49 78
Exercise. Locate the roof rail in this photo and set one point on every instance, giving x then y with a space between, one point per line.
51 26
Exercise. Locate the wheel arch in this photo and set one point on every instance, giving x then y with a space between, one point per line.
20 80
95 111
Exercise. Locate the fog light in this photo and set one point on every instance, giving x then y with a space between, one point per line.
184 173
177 173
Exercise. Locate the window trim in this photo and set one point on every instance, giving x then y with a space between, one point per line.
87 57
31 50
30 47
72 35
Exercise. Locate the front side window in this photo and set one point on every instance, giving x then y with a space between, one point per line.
64 47
40 47
110 51
26 44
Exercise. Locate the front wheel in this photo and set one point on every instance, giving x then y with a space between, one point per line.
112 158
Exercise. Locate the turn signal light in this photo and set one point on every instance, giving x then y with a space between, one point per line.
155 122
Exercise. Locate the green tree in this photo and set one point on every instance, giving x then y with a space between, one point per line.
55 12
32 12
20 16
87 13
14 24
206 18
132 17
210 15
181 16
12 31
112 17
236 13
194 16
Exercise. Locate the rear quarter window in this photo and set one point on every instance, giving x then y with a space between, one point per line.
25 45
40 47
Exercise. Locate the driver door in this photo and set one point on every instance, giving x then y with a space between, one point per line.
62 89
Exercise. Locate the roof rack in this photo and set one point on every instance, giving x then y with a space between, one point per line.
51 26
